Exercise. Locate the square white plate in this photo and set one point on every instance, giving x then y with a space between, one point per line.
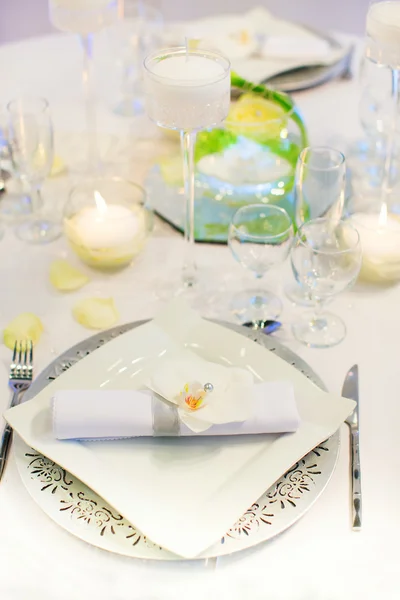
182 493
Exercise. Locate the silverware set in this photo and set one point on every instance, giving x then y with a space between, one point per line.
20 378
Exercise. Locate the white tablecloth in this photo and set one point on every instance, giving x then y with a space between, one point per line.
320 557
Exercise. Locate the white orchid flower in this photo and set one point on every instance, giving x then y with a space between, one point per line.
182 379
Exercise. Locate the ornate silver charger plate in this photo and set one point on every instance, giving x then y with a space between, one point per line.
83 513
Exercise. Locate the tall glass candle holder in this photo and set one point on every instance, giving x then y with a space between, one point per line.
85 17
383 48
378 220
187 90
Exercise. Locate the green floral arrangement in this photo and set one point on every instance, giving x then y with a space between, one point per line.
216 140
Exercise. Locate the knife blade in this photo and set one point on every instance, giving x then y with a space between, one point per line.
350 390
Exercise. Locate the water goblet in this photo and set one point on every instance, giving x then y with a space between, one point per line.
30 137
260 237
320 181
326 259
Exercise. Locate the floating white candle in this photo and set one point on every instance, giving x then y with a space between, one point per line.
110 229
186 90
380 245
107 238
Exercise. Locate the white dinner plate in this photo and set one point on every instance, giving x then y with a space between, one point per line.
84 514
183 494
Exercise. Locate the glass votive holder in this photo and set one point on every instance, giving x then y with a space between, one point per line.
106 222
380 242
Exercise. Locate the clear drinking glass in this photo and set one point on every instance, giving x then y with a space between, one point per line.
30 137
260 237
326 259
320 182
137 33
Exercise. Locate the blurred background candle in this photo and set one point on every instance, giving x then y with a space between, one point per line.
106 222
380 243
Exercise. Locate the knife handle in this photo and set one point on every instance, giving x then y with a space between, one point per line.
356 480
5 443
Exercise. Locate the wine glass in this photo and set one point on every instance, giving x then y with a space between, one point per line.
320 182
137 33
260 237
326 259
30 137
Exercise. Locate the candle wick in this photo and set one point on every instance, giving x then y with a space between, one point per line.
187 48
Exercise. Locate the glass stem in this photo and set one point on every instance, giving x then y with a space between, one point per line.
318 307
388 167
89 100
188 139
36 200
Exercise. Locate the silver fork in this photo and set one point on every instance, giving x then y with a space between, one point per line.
20 378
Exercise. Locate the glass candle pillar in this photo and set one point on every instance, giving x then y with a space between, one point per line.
187 90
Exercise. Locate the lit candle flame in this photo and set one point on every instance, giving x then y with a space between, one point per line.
101 204
383 215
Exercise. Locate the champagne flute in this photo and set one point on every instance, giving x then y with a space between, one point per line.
319 192
30 137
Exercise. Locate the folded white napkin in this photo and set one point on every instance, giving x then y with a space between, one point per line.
108 414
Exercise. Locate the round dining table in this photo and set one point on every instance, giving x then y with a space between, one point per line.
318 558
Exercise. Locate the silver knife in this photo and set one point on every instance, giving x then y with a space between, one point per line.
350 390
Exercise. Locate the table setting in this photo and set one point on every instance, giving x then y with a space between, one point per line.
199 307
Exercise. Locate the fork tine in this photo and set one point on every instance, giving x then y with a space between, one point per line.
30 353
20 354
15 352
25 352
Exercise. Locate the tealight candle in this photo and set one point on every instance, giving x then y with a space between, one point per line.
380 243
106 235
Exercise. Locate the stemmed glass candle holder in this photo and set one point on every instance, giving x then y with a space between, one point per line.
106 222
383 48
85 17
379 223
260 237
187 90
